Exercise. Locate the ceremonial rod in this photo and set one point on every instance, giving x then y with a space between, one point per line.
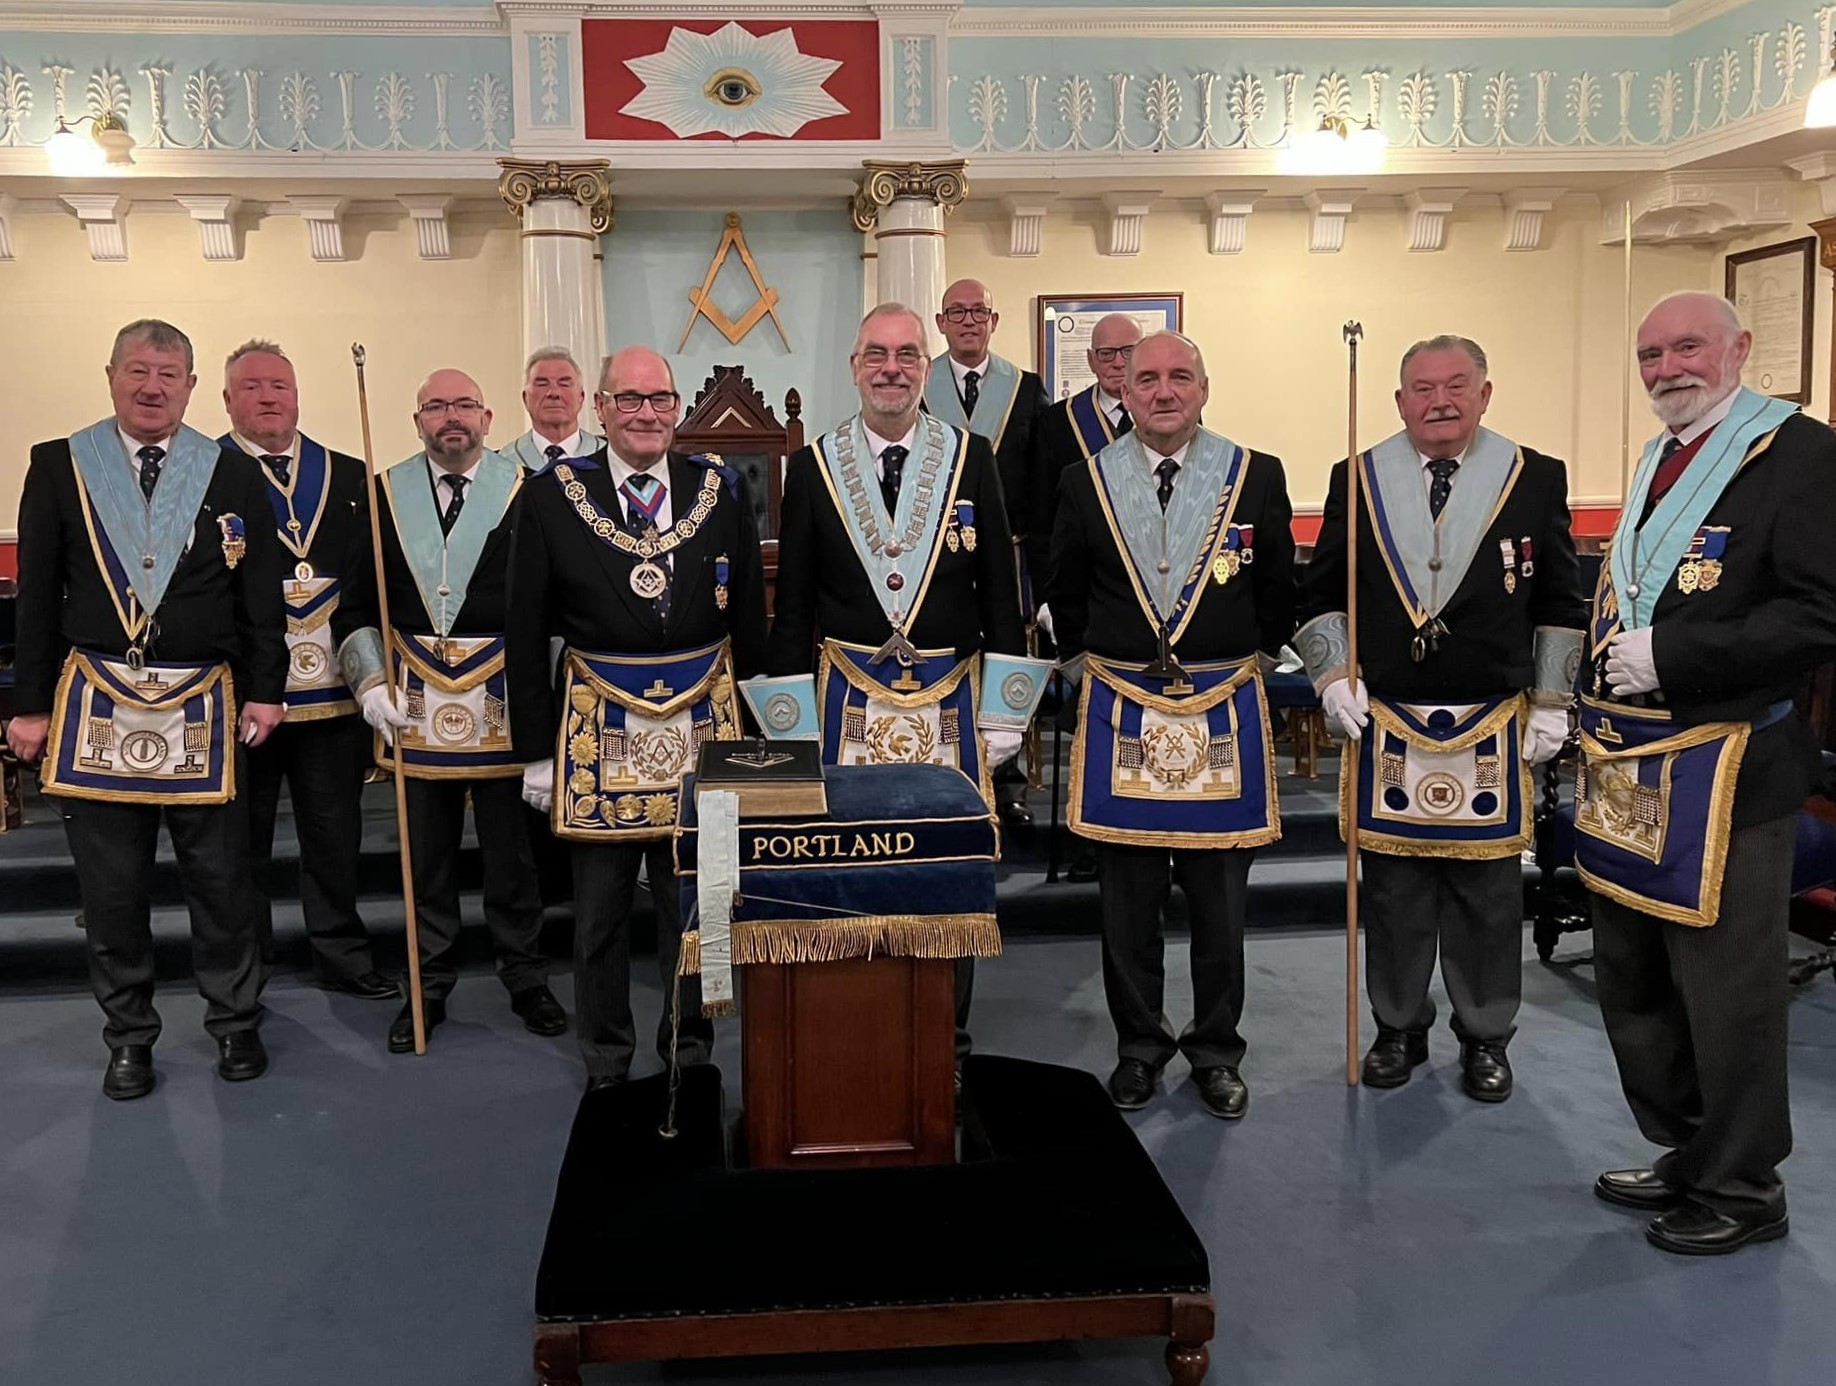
1353 331
1625 382
415 1007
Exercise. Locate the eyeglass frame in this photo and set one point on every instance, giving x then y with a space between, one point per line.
1106 354
960 313
436 408
874 357
673 397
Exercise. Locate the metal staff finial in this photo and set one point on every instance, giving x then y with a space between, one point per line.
357 354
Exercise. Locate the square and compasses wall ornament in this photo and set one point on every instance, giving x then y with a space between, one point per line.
732 239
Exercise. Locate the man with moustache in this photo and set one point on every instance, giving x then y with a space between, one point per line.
441 702
1469 637
151 651
552 396
1172 578
973 389
1715 606
894 574
322 521
647 677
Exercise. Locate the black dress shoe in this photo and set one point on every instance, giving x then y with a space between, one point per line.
401 1029
1694 1229
369 986
241 1056
602 1082
541 1013
1393 1056
1485 1072
1014 813
1637 1188
1083 863
1223 1091
1131 1086
129 1073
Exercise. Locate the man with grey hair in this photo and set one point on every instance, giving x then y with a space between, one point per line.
151 655
321 750
1715 607
553 394
1470 611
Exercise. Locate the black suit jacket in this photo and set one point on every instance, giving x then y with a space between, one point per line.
210 610
1093 601
1054 449
1016 459
973 603
568 583
1489 647
1756 637
341 546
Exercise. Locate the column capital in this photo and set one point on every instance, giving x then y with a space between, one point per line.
943 181
586 181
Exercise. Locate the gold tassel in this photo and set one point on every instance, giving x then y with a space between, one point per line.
689 963
901 936
719 1010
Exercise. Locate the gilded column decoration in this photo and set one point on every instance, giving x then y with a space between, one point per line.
944 182
525 181
902 206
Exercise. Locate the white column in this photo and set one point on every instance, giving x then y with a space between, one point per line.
904 205
870 272
564 208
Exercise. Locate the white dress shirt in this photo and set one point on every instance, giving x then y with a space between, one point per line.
1428 476
622 471
134 445
443 494
959 370
257 451
571 446
1111 407
879 445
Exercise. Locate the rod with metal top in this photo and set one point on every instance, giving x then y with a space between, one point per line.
1353 331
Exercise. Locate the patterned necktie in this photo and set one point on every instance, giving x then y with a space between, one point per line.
1668 468
892 469
1165 472
150 459
972 390
278 463
1442 470
1124 424
643 504
554 452
456 484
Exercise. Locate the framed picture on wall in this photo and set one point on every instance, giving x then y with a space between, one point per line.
1063 328
1773 288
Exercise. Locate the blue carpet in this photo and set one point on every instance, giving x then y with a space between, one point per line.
360 1217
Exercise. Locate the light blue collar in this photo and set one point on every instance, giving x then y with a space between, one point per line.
149 538
1181 536
531 450
996 391
442 565
1408 535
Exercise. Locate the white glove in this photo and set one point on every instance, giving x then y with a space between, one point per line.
1631 667
1544 732
1347 707
1044 620
1000 746
539 784
380 710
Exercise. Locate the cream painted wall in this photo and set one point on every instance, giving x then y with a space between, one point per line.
1269 319
61 312
1806 208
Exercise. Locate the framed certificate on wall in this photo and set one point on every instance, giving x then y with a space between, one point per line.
1774 288
1063 332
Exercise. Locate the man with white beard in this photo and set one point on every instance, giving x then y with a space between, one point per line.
1714 607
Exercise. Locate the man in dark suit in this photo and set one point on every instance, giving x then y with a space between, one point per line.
570 583
972 388
1172 571
441 704
323 524
1715 606
1469 631
147 567
912 602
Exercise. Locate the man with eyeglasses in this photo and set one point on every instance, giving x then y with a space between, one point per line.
972 388
552 397
895 576
645 565
440 700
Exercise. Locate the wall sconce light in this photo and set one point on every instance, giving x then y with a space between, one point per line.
108 145
1339 146
1820 110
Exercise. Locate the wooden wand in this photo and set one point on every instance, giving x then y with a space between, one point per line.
1353 331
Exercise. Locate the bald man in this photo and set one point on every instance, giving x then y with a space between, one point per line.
977 391
671 630
441 704
1715 607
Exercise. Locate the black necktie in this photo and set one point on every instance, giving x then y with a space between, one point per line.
892 468
456 484
150 458
278 463
1124 424
1165 472
554 452
972 390
1442 469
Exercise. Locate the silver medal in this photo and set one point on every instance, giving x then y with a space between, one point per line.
648 581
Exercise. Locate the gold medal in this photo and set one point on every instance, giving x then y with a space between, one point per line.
969 537
1689 576
1710 576
1510 582
1220 570
303 571
648 580
951 541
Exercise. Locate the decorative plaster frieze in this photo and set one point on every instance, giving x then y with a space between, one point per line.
324 218
1820 171
7 203
1524 210
1338 21
239 17
1330 208
215 214
1127 213
101 215
1428 209
1230 212
428 211
1025 222
943 182
1704 206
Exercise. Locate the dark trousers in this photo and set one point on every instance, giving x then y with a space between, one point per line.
605 883
112 847
1134 883
323 764
1472 912
512 902
1697 1018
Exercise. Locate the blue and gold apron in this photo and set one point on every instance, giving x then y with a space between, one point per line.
454 694
924 716
631 728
